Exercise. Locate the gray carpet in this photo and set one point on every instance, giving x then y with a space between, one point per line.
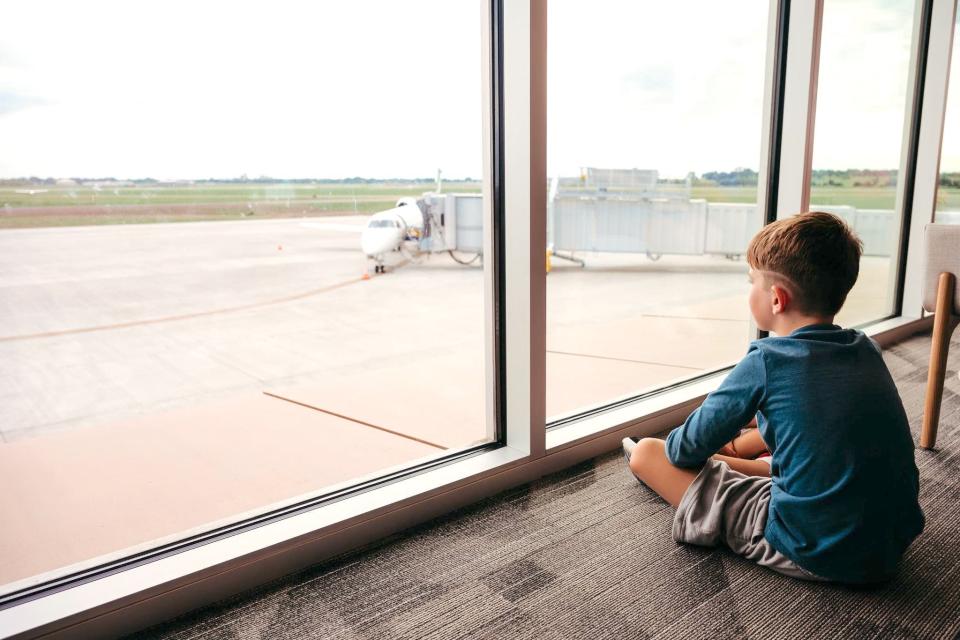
587 553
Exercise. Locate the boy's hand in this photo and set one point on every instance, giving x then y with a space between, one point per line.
747 445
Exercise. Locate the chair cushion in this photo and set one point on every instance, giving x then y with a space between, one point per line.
941 253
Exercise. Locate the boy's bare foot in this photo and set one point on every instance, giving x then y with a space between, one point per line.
649 463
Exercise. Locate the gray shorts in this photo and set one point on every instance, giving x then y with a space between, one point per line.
725 506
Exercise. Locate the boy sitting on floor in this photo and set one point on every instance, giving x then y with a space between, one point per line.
838 499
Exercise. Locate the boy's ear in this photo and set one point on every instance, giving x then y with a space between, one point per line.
780 298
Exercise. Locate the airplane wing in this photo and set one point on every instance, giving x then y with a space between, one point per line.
333 226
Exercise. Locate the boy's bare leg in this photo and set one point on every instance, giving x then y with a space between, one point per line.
650 464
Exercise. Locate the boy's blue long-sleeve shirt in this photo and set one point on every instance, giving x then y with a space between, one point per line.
843 501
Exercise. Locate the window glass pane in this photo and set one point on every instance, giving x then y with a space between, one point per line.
654 127
195 201
861 98
948 192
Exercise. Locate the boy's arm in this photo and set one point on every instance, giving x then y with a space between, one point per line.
721 415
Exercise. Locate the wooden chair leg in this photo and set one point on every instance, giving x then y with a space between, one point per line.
943 325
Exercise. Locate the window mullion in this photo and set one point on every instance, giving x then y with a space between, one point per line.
799 106
524 140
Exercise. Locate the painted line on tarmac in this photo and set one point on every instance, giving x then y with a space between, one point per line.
590 355
185 316
360 422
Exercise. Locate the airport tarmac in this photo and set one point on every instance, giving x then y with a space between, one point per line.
155 379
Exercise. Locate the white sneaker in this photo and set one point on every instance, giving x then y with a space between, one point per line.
628 445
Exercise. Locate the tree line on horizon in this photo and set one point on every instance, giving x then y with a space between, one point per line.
34 180
739 177
824 178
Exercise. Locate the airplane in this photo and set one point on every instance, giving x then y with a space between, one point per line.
389 230
436 222
396 229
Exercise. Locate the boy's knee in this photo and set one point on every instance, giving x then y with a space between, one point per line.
647 450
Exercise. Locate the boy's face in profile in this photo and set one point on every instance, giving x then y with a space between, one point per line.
760 303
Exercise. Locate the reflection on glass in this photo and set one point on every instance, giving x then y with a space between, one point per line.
948 191
653 147
861 100
226 264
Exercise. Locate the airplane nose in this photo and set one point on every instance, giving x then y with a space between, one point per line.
377 241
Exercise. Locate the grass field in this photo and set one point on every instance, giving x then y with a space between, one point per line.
85 205
55 206
207 193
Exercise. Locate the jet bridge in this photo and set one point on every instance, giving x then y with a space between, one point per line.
695 227
452 222
629 211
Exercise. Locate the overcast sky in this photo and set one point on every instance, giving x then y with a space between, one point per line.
379 88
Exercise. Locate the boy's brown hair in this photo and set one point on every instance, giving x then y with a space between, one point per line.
816 255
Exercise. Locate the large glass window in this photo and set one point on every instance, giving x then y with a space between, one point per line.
861 101
654 130
948 192
232 274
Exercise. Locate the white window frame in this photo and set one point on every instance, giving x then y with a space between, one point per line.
143 595
934 107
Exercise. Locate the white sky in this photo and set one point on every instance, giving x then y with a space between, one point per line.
376 88
674 86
